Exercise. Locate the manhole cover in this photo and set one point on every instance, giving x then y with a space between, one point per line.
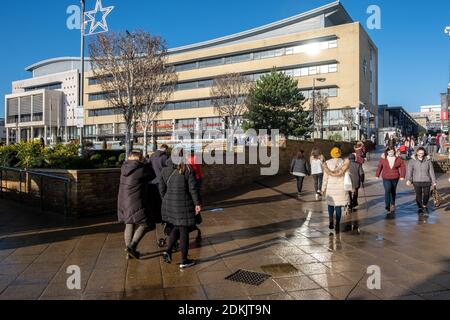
280 269
248 277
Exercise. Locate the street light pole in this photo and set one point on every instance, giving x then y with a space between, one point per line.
83 9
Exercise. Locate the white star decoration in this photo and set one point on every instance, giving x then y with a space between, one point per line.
95 25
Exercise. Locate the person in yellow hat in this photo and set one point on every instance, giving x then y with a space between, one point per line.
333 186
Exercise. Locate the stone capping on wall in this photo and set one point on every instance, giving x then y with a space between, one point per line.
94 191
442 166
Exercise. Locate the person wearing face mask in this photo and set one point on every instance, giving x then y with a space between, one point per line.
421 175
392 169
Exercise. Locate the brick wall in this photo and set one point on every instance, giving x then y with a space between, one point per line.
222 177
95 191
442 166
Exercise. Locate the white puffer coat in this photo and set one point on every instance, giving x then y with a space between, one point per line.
333 182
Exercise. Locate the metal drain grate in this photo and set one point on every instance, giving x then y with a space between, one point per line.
248 277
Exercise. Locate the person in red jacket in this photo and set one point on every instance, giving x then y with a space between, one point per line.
392 169
194 163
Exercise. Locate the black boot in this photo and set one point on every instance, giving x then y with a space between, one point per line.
133 252
337 228
331 226
167 257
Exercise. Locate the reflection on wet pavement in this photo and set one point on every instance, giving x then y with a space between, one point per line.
262 228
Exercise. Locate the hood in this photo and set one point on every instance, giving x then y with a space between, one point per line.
427 158
129 167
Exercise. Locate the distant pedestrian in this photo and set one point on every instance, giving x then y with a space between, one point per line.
316 161
438 142
421 174
132 203
442 142
392 169
357 175
300 168
181 205
360 152
333 187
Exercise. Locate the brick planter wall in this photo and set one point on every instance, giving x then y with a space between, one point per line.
95 191
442 166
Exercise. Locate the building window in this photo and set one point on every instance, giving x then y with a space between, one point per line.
98 96
164 126
90 131
258 55
104 112
210 63
48 86
365 67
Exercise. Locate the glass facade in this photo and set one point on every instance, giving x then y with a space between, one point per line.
259 55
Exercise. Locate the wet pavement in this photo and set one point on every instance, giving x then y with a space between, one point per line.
262 228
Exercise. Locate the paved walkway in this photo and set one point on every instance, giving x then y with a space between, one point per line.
262 228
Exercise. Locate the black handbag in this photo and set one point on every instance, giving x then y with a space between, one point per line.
437 198
198 219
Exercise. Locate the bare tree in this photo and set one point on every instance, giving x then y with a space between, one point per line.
349 119
121 65
321 106
228 95
159 84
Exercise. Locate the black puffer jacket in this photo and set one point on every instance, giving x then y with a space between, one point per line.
132 201
158 161
180 196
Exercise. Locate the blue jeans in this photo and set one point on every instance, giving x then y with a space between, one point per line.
390 192
338 210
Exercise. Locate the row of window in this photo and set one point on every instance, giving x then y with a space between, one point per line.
104 112
24 118
326 92
25 104
50 86
265 54
162 126
202 103
297 72
313 47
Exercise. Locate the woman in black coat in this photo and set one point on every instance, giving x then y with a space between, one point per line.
132 202
180 205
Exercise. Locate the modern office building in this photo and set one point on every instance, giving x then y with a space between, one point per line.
322 43
421 119
433 112
398 117
44 105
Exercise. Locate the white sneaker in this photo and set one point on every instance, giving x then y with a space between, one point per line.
187 264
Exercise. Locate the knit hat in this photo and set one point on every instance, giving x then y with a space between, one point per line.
336 153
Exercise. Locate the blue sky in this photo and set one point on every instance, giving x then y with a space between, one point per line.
414 52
